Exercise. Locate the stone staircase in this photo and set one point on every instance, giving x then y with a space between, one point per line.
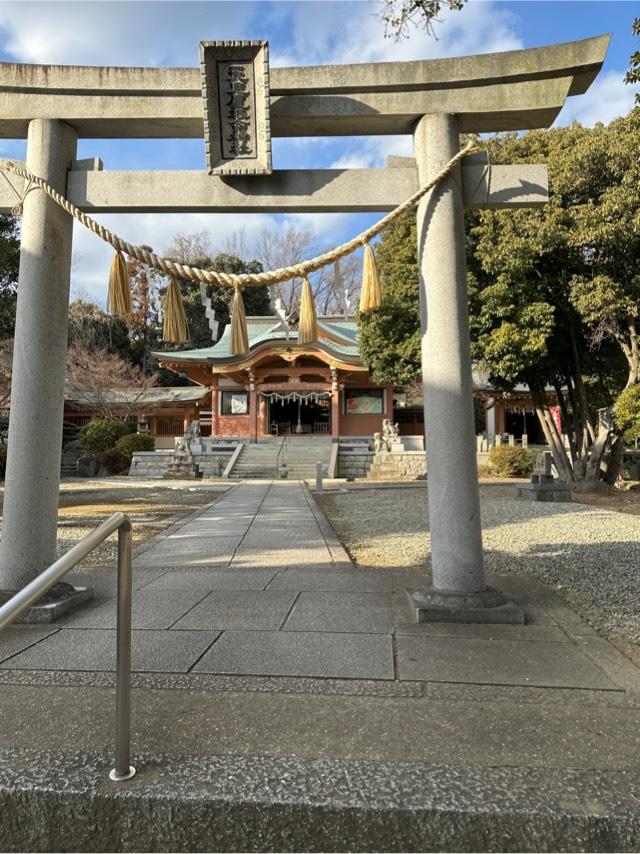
69 460
258 461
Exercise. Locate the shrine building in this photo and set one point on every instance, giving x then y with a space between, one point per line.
282 387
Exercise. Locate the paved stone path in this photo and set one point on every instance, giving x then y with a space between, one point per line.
257 584
263 658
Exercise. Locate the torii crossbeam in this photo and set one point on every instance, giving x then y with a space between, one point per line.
434 100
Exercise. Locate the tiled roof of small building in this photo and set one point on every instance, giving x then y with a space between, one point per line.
157 395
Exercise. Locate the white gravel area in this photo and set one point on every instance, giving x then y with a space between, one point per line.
590 556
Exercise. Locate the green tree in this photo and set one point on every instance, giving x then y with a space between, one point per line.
552 289
91 328
256 299
390 337
633 74
9 263
554 292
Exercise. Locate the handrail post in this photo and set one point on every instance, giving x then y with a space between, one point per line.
123 770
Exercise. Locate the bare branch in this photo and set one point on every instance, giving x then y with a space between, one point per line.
95 378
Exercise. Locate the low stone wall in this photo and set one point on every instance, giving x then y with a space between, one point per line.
412 465
150 463
154 464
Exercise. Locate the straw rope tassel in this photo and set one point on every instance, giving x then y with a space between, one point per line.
174 327
370 293
119 294
308 323
239 334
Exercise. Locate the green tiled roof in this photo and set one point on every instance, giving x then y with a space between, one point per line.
262 330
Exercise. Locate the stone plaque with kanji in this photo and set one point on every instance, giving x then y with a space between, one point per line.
235 88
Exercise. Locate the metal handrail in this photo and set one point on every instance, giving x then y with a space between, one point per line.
18 603
282 450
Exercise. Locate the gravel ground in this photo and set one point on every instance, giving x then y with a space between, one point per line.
588 555
151 505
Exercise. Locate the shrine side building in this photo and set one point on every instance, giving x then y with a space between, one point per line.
282 386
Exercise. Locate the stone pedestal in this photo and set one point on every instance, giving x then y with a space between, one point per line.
60 600
37 395
438 606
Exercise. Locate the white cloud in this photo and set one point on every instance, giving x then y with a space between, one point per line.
606 99
371 152
117 33
328 33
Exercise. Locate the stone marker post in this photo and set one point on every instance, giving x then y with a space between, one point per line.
454 504
37 394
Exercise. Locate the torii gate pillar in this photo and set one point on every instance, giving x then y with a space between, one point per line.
459 591
29 527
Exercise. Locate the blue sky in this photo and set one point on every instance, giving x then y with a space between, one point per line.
306 32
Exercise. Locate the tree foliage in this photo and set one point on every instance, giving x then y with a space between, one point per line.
553 289
256 299
633 74
9 263
103 433
400 16
554 292
627 413
390 337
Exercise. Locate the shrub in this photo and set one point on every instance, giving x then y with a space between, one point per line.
103 433
128 445
510 461
113 461
627 413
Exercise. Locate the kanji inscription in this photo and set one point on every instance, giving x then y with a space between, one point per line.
235 81
237 109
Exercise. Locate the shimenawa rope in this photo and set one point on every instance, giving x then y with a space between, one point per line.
215 277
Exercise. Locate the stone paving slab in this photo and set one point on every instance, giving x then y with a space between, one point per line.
239 609
523 634
341 612
152 609
196 558
318 579
213 579
319 654
281 558
17 638
500 662
95 649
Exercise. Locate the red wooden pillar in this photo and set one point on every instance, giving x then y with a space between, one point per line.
253 409
389 402
335 405
263 427
215 408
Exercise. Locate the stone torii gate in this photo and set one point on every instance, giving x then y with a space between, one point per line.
434 100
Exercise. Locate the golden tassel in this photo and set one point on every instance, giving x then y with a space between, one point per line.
308 323
174 327
370 293
239 334
119 294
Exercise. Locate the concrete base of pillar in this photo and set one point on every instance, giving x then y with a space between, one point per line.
489 606
60 600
